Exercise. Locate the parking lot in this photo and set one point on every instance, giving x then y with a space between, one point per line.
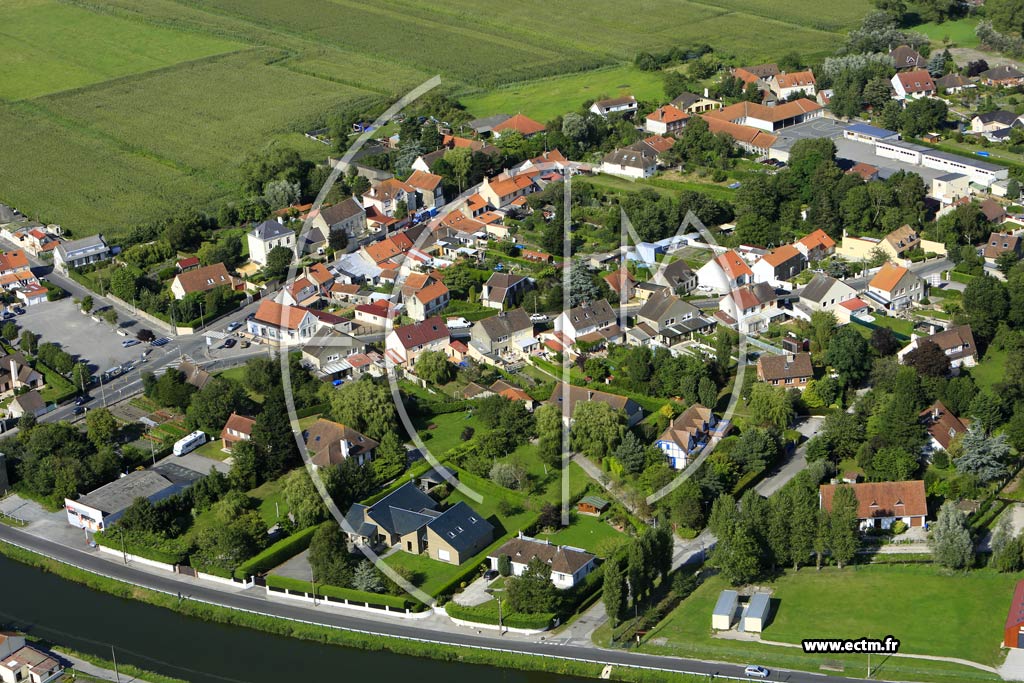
97 343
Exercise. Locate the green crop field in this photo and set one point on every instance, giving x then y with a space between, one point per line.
81 48
121 112
960 33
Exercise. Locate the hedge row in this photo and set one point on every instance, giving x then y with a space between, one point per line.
487 613
278 553
315 409
113 540
213 571
441 407
351 594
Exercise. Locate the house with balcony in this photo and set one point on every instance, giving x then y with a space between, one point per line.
78 253
686 434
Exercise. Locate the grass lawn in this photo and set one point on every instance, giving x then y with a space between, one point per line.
427 574
990 370
901 328
954 616
270 494
238 375
585 532
448 431
212 449
960 33
548 98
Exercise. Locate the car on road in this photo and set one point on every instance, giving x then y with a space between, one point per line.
234 326
229 343
251 316
458 324
490 574
130 342
81 400
159 342
78 410
538 318
756 672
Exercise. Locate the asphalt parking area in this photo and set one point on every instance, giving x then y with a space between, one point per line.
97 343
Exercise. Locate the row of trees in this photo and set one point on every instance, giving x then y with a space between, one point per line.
632 573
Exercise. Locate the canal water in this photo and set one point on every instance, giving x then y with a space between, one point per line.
164 641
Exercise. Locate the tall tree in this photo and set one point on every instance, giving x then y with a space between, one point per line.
613 593
849 354
950 538
842 541
983 457
364 406
329 557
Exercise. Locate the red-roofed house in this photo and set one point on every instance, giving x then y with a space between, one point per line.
406 343
780 265
187 263
428 187
386 195
621 282
942 425
201 280
237 428
523 125
283 325
816 246
665 120
501 191
913 84
724 272
896 286
796 83
375 313
428 301
880 504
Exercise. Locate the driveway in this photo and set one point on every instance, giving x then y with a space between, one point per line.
794 462
475 593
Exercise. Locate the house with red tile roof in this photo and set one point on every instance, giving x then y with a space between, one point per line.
752 307
386 197
913 84
187 263
816 246
767 118
724 272
201 280
790 371
375 313
428 301
665 120
881 504
278 324
523 125
787 85
428 188
779 265
404 344
943 426
237 428
896 287
502 190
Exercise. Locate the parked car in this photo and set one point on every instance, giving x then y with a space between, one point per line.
246 343
129 342
234 326
756 672
159 342
122 332
491 574
8 315
19 311
229 343
458 324
538 318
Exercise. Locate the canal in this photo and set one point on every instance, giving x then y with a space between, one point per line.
164 641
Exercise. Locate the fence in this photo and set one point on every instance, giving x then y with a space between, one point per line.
316 598
597 661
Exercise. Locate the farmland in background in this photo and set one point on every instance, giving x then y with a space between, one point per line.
131 109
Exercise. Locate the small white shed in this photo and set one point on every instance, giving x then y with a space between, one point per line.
755 617
725 610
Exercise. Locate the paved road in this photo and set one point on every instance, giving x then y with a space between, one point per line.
255 602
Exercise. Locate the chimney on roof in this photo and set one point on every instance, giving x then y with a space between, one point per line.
790 358
344 448
280 220
935 412
706 93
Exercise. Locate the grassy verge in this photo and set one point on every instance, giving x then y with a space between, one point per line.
123 669
327 635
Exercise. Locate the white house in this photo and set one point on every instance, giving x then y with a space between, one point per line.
625 105
895 287
724 272
266 236
797 83
687 433
752 307
586 319
568 565
913 84
276 324
956 342
665 120
630 162
404 345
824 293
779 265
881 504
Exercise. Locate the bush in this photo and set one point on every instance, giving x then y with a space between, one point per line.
898 527
297 585
150 547
487 613
278 553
